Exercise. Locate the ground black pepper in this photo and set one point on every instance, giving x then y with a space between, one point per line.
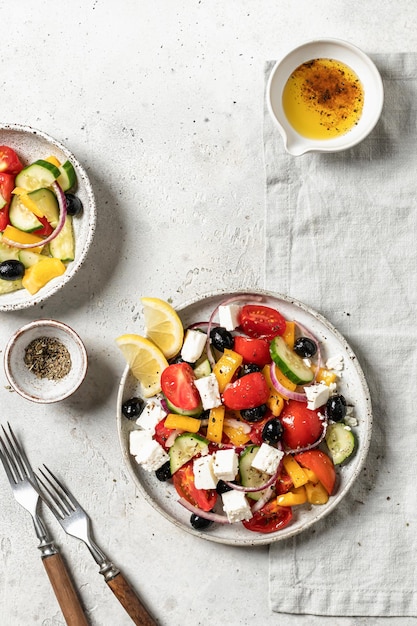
47 357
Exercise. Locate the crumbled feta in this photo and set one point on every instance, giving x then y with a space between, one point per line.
208 388
204 477
335 363
193 345
317 395
236 506
350 419
225 464
150 416
147 452
267 459
229 316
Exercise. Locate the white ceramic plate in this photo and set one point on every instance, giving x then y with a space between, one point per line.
30 145
162 495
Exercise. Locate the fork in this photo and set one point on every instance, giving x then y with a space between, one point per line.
26 491
75 521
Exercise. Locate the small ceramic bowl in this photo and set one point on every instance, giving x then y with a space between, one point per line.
45 361
32 144
336 50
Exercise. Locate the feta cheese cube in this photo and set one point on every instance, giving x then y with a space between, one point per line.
208 388
229 316
204 477
267 459
193 345
335 363
236 506
225 464
317 395
147 452
150 416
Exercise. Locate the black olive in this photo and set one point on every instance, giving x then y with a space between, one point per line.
221 487
336 408
199 523
132 408
249 368
305 347
11 270
272 431
163 473
255 414
177 359
221 338
74 204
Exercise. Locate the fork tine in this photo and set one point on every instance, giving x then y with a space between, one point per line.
9 457
20 455
59 494
6 463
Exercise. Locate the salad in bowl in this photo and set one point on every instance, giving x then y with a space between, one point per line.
243 419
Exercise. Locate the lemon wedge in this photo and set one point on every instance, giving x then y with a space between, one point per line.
163 326
145 360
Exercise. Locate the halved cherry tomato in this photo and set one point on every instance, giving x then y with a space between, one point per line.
162 433
257 428
9 161
177 384
246 392
253 350
183 480
284 483
46 229
257 320
270 518
302 427
6 188
319 463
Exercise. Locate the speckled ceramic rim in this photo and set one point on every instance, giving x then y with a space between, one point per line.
64 391
7 302
256 539
339 50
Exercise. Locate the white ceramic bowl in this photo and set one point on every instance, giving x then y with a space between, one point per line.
25 382
30 145
338 50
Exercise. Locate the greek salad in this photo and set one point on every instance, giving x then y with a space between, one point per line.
37 206
250 423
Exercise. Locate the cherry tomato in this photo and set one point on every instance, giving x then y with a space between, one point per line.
9 161
257 428
302 427
6 188
162 433
177 384
183 480
253 350
270 518
319 463
46 228
283 484
247 392
257 320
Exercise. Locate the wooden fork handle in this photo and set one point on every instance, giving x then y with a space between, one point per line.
130 601
64 590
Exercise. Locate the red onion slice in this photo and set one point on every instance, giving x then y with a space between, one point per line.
213 517
312 445
269 483
263 500
62 203
286 393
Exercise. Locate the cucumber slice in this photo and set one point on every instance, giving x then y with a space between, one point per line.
202 368
67 177
7 286
340 441
184 448
21 217
63 246
29 258
249 476
175 409
290 364
7 253
2 202
46 200
39 174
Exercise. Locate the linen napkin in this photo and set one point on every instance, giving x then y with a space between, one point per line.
341 237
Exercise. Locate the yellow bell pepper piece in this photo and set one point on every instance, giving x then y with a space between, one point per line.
31 205
292 498
289 334
17 191
312 478
226 366
182 422
275 402
12 234
294 471
316 493
235 433
325 376
53 160
41 273
215 424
